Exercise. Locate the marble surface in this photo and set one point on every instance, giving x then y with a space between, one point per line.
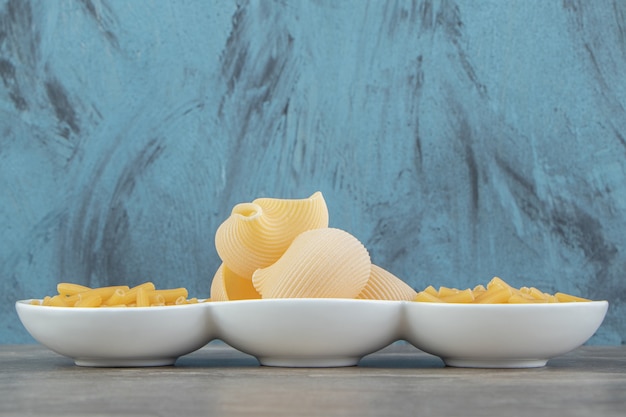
396 381
458 140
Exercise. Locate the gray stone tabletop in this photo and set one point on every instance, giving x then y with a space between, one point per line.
396 381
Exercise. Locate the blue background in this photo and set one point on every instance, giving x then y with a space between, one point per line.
457 139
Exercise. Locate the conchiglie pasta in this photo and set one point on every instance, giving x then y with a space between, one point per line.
320 263
383 285
218 289
257 234
227 286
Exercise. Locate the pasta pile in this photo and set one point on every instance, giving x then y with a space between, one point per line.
142 295
496 292
283 248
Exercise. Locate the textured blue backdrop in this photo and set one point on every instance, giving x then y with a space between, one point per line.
457 139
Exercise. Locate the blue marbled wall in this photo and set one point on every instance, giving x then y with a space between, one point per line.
457 139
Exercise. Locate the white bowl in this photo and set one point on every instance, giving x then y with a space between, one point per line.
308 332
501 335
119 336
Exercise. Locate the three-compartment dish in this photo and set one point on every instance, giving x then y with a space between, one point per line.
292 291
315 332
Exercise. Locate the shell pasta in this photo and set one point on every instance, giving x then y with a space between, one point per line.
257 234
284 248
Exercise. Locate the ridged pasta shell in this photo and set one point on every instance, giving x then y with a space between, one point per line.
383 285
321 263
218 289
257 234
227 285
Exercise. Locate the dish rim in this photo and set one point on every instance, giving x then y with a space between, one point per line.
511 305
26 303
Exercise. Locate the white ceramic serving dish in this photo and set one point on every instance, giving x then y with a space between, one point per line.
307 332
501 335
119 337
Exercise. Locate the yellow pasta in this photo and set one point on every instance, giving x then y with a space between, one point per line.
523 299
497 283
256 234
171 295
227 285
495 295
144 286
281 248
94 300
564 298
142 298
142 295
120 297
66 288
480 288
104 292
383 285
445 291
320 263
157 299
431 290
218 288
55 301
459 296
497 291
427 297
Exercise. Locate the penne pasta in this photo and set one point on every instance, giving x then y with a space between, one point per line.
432 291
143 298
464 296
56 301
565 298
171 295
66 288
427 297
94 300
120 297
497 291
156 299
145 286
495 295
142 295
104 292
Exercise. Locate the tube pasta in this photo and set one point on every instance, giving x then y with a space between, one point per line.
143 300
564 298
104 292
94 300
427 297
465 296
57 301
67 288
496 292
495 296
121 297
142 295
144 286
171 295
